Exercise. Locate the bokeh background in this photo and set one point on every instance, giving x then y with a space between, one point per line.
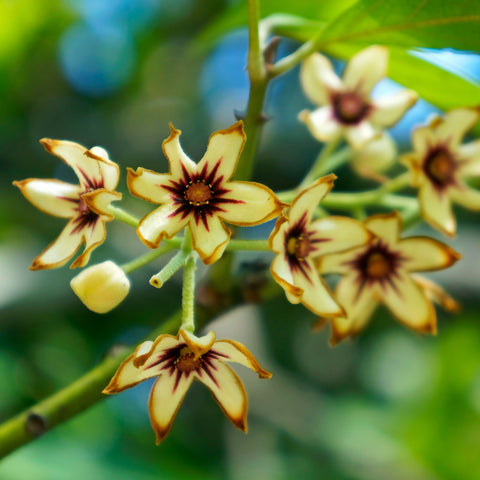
390 405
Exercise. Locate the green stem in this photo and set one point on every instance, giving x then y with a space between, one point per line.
146 258
123 216
319 164
175 263
71 400
255 245
188 291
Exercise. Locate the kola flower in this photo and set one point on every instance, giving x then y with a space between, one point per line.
440 166
345 104
201 195
177 361
84 204
380 272
298 240
101 287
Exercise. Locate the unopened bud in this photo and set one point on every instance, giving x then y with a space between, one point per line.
101 287
375 156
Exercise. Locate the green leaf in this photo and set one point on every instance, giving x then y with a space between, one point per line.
408 23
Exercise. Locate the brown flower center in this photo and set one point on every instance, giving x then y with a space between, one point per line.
299 246
440 166
187 362
198 193
349 108
378 265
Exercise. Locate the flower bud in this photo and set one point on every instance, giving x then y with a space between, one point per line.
101 287
375 156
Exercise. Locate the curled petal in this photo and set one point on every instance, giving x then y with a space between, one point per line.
337 234
359 304
437 294
93 236
228 391
389 110
318 79
162 222
456 124
282 274
149 185
386 226
61 250
109 170
198 345
165 399
99 200
232 351
409 304
53 197
306 202
224 148
84 164
421 254
321 123
436 209
210 239
366 69
177 158
251 204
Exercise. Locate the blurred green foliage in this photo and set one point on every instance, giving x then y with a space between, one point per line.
390 405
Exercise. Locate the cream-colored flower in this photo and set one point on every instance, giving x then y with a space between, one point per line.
84 204
345 104
440 166
101 287
201 195
298 240
177 361
380 272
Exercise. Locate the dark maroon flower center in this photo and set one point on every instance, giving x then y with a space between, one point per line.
187 362
378 265
299 246
198 193
349 108
439 166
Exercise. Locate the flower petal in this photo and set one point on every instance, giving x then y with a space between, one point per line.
359 305
423 138
321 123
93 236
437 294
99 200
306 202
360 134
339 262
177 158
109 170
251 204
366 69
318 79
232 351
198 345
61 250
469 155
436 209
165 399
228 391
209 240
456 124
53 197
149 185
276 241
161 222
421 254
336 233
282 274
84 164
389 110
386 226
223 151
409 304
466 197
316 295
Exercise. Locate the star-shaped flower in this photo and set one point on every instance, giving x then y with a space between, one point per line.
440 166
380 272
201 195
345 104
177 361
298 240
84 204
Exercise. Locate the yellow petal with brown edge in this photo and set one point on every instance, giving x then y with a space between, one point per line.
176 156
149 185
99 200
198 345
436 209
387 226
282 274
93 236
210 240
467 197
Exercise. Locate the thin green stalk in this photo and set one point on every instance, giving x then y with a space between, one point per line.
123 216
188 290
175 263
71 400
146 258
255 245
319 164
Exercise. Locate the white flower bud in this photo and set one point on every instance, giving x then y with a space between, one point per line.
376 156
101 287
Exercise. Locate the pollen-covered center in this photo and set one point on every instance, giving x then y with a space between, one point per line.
198 193
378 265
299 246
349 108
440 166
186 362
